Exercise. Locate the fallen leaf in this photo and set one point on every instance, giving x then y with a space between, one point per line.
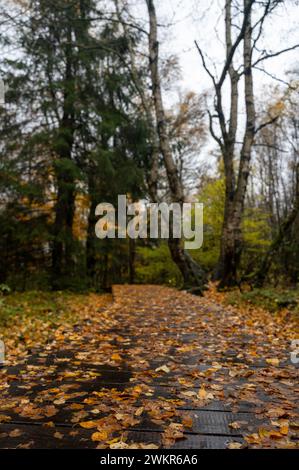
139 411
187 421
163 369
235 445
4 419
88 424
273 362
15 433
99 436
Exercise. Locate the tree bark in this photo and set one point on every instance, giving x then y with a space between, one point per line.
91 236
62 252
147 105
232 240
284 229
192 273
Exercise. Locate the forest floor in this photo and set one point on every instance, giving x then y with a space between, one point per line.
148 367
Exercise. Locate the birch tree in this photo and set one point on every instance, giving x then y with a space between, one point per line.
237 163
192 273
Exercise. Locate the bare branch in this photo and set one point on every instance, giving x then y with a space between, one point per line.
265 124
274 54
204 64
217 139
234 47
277 79
274 147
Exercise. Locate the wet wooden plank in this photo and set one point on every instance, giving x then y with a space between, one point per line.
210 423
190 442
42 391
38 437
218 423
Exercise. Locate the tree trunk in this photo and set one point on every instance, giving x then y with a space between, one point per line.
231 249
268 259
62 253
147 104
91 236
232 240
193 275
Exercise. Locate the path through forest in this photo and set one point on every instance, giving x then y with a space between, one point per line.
155 367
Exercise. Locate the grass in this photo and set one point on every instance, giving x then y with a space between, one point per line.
46 306
272 299
31 319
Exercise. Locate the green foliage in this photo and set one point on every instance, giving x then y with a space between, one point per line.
256 230
270 299
257 236
4 289
46 306
155 266
212 196
74 125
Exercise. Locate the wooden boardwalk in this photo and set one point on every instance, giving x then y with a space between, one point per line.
155 367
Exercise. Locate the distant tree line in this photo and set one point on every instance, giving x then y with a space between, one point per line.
84 121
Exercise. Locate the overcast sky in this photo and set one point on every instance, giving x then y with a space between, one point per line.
202 20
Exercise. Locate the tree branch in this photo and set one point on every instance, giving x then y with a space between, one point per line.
247 13
265 124
275 54
204 64
217 139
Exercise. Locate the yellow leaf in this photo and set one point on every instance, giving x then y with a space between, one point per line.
273 362
116 357
139 411
99 436
253 438
189 394
263 432
235 425
275 435
119 416
119 445
276 413
202 394
4 418
187 421
76 406
163 369
50 424
234 445
284 430
149 446
15 433
88 424
60 401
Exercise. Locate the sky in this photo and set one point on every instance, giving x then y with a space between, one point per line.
181 22
202 20
184 21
